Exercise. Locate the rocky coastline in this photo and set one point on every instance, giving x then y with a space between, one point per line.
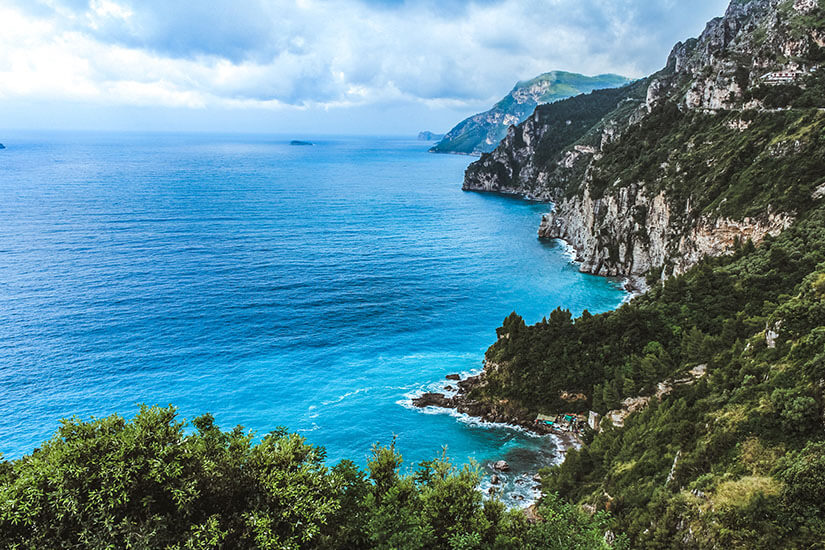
499 472
629 223
496 413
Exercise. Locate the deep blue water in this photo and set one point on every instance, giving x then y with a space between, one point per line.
314 288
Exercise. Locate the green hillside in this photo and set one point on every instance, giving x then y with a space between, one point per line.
481 133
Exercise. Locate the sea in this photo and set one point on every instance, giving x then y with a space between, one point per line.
318 288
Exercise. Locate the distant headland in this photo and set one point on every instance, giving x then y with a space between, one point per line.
430 136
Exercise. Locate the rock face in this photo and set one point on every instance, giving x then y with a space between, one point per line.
482 132
624 220
605 232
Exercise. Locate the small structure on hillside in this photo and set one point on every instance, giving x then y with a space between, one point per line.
781 77
593 420
560 423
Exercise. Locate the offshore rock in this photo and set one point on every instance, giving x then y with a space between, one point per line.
432 400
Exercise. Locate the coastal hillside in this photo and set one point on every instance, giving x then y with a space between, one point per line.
709 389
481 133
722 144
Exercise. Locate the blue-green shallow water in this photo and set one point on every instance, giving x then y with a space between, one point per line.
315 288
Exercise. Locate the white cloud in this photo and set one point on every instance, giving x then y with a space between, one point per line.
276 54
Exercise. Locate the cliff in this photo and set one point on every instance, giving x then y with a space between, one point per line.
482 132
720 146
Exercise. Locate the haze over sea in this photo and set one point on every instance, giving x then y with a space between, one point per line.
315 288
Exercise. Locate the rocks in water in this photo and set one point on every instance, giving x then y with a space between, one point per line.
495 480
501 466
431 399
469 383
453 377
449 388
2 146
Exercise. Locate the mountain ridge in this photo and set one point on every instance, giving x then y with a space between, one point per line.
483 131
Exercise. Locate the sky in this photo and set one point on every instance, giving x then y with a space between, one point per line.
390 67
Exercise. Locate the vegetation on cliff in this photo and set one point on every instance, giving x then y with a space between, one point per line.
726 138
731 131
154 482
736 458
482 132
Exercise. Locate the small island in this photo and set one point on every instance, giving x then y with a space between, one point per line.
300 143
430 136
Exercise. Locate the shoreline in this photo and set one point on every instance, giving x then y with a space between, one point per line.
634 285
496 471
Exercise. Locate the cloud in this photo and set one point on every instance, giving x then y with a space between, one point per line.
279 54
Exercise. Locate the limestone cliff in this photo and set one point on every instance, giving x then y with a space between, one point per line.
718 148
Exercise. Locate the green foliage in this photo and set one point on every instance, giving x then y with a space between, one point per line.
153 483
735 164
749 435
471 135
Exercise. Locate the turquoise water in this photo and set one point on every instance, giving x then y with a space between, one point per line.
315 288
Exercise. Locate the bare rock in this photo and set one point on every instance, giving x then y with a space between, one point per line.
432 400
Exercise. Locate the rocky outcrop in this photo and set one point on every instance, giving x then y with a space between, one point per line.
668 217
500 412
433 400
